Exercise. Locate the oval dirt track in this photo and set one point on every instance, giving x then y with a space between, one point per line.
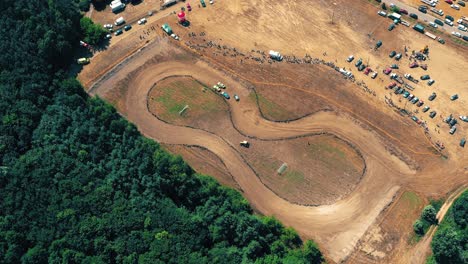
336 227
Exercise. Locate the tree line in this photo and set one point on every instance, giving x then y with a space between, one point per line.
79 184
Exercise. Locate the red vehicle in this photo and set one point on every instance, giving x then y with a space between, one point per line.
189 7
387 71
420 103
391 85
403 11
424 67
449 2
84 44
414 65
366 72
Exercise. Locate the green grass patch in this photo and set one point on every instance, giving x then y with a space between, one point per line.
412 199
293 176
270 109
173 96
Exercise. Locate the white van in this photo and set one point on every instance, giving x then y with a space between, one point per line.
119 21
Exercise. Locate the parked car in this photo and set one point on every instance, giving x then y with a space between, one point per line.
361 67
108 36
461 3
414 118
225 95
127 27
462 28
236 97
432 24
387 71
382 13
414 16
448 119
456 34
464 118
410 97
441 40
448 22
432 114
449 2
420 103
374 75
415 100
426 108
425 77
450 18
462 142
394 66
452 130
398 56
350 58
430 82
432 96
456 7
189 7
465 38
453 122
406 94
392 54
359 62
438 22
422 9
108 26
366 72
391 27
118 32
454 97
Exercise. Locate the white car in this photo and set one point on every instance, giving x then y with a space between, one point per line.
382 13
108 26
141 21
462 28
456 34
456 7
175 36
432 24
464 118
350 58
374 75
211 2
448 22
108 36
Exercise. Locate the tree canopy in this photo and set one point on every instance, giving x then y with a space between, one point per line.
79 184
450 243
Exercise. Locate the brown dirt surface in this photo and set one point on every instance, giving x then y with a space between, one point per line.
393 236
169 96
204 162
398 152
322 169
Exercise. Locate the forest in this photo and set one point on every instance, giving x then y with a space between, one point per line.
450 242
79 184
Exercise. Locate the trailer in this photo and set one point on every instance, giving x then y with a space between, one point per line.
432 36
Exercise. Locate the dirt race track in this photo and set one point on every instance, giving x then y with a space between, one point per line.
398 155
337 227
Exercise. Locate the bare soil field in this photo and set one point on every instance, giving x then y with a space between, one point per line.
205 162
308 96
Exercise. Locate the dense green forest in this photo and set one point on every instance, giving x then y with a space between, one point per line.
79 184
450 242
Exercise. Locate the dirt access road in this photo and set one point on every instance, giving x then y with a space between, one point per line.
336 227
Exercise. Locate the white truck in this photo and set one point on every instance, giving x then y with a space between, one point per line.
117 6
119 21
275 55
